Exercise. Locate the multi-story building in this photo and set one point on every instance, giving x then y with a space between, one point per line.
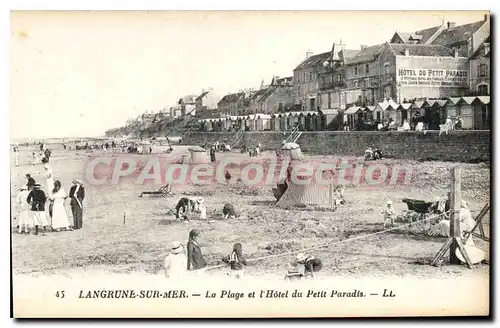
206 104
332 79
305 80
480 64
362 75
232 104
413 71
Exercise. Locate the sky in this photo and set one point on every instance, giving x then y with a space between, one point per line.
77 74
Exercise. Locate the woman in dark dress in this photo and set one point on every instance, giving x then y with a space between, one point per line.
195 258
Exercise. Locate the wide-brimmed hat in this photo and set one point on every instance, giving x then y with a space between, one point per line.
300 257
199 200
176 247
23 188
77 181
37 185
389 202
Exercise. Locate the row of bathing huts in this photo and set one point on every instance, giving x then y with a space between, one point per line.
475 114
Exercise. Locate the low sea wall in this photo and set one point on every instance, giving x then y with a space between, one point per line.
457 146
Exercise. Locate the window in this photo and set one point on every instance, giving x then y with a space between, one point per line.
367 83
339 78
482 90
329 100
386 68
482 70
355 83
280 107
355 70
310 76
297 77
298 90
367 68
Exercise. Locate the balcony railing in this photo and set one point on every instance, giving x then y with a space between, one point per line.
331 85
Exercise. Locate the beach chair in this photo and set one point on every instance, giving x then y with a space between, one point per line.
165 191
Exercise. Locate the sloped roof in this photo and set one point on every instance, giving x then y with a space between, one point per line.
403 35
349 54
231 98
203 94
268 91
258 93
457 34
367 54
422 50
426 34
189 99
314 61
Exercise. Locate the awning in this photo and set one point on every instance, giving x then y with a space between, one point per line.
263 116
417 104
233 118
329 111
468 100
454 100
485 100
308 113
387 104
353 110
405 106
429 103
439 103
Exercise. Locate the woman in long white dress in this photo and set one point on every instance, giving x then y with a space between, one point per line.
59 217
25 221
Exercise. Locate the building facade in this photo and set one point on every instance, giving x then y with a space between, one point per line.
305 80
232 104
206 104
362 77
480 75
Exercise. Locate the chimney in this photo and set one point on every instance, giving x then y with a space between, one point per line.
364 46
451 25
407 52
308 54
485 17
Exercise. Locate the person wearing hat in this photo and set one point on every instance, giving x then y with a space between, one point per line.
23 211
16 155
311 264
176 261
31 182
389 214
212 154
36 198
77 195
195 258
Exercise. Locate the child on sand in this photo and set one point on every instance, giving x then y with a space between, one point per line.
236 260
311 265
293 272
389 214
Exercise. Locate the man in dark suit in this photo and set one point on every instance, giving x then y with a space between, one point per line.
77 194
36 198
31 181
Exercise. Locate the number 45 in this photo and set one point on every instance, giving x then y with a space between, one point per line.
60 294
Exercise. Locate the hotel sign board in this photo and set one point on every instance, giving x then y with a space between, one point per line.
432 72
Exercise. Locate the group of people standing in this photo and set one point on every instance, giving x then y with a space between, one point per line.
178 262
33 211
